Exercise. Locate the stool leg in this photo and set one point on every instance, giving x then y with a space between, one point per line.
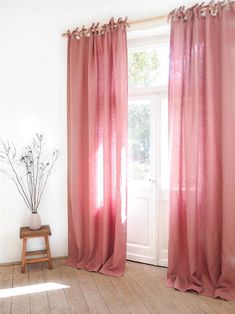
23 255
48 252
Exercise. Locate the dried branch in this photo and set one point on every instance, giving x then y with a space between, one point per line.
7 149
30 171
55 156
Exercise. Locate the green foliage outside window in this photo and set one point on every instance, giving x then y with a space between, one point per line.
139 139
143 68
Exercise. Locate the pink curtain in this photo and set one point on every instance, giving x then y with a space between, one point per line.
97 148
202 150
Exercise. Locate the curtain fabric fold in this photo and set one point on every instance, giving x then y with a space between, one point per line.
97 148
202 151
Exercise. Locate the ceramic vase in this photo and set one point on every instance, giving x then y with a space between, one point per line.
34 221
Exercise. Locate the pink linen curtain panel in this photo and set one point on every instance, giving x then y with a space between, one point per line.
202 150
97 148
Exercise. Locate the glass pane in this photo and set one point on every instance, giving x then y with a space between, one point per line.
139 140
148 67
164 145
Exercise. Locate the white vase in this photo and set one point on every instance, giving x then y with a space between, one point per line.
34 221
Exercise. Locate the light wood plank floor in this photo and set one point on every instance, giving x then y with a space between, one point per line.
141 290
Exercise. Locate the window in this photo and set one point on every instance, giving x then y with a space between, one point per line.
148 66
148 78
139 112
148 149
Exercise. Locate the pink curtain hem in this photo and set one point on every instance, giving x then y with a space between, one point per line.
102 270
216 293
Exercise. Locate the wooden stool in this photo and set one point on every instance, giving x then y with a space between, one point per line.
25 234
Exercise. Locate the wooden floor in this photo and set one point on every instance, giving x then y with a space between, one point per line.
141 290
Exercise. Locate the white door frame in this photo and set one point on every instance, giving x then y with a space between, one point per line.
153 253
153 38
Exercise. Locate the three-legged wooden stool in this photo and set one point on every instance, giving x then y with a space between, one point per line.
25 234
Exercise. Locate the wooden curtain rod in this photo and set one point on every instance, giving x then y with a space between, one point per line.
150 19
165 17
136 22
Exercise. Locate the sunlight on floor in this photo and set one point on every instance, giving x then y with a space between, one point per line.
4 293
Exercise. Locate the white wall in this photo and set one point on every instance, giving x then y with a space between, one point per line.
33 99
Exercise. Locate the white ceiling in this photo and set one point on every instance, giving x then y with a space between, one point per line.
143 8
77 12
134 9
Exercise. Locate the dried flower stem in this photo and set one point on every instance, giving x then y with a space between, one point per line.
31 184
16 179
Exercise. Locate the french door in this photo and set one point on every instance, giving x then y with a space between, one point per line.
147 226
